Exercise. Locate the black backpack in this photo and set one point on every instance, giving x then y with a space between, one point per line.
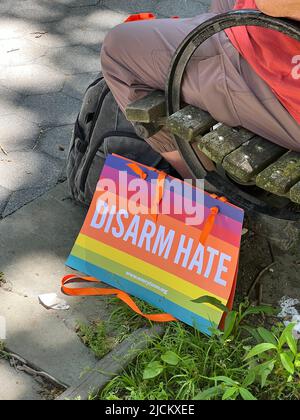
101 129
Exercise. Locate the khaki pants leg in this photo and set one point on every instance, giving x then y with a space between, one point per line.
136 58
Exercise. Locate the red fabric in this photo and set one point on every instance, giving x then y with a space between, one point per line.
144 16
273 56
140 16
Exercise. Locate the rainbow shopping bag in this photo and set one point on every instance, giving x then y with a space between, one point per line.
162 240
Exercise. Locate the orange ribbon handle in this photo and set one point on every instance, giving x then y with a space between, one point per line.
160 183
159 193
95 291
209 224
137 170
160 186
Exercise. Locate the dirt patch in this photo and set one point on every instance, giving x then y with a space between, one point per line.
283 279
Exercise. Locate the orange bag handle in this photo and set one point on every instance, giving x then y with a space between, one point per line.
137 170
209 224
94 291
124 297
159 193
214 211
144 16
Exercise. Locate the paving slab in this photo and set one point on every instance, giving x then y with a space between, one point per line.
32 79
19 198
39 10
75 86
4 7
183 8
49 54
91 38
9 101
16 52
133 6
72 60
18 385
16 133
28 170
103 19
55 142
50 36
79 3
85 26
4 197
43 338
35 242
50 110
16 27
89 18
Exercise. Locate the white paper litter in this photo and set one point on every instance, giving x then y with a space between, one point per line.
290 314
287 306
52 301
296 330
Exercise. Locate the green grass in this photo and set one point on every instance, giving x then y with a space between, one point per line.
102 336
244 362
195 357
96 338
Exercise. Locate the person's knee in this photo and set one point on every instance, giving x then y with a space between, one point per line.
112 45
112 38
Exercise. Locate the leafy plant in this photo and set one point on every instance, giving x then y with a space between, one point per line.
235 320
3 353
228 389
154 369
272 365
242 362
276 354
185 364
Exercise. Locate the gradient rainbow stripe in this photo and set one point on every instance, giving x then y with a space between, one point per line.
158 281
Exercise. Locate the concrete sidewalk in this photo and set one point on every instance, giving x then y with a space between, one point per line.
35 242
49 53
